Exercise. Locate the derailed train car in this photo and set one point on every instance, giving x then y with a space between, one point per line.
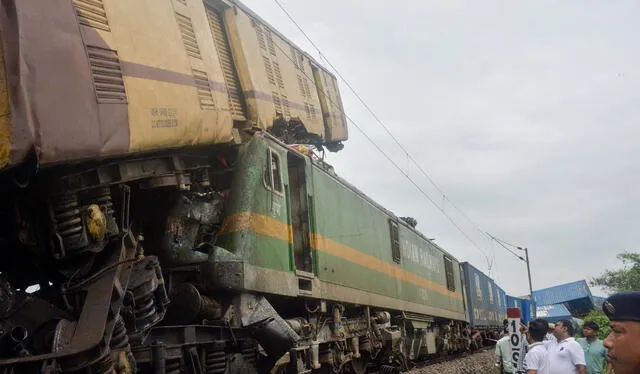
83 79
167 231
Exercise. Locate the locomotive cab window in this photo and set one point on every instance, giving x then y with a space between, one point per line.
273 172
395 241
448 270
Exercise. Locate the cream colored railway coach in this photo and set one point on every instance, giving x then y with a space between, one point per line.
84 79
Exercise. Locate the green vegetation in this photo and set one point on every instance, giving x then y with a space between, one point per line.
625 279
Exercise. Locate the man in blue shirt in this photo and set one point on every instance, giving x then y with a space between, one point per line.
594 351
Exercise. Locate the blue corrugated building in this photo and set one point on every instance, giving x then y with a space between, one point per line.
575 296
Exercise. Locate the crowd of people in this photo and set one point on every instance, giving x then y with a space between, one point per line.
552 348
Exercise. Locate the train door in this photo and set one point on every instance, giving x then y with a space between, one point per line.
299 210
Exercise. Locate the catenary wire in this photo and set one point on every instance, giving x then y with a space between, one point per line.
286 54
375 116
500 242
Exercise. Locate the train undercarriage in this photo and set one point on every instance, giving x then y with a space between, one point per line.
117 252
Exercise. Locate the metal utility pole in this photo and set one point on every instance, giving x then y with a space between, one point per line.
526 255
526 259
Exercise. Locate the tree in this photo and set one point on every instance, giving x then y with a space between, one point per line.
625 279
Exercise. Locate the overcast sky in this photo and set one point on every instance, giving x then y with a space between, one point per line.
524 113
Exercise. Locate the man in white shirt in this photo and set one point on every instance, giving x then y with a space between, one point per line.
567 356
536 361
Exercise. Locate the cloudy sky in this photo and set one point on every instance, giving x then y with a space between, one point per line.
524 113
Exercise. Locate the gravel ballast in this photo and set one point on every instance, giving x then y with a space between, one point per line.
479 363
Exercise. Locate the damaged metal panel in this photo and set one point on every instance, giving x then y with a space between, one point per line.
274 334
335 120
108 82
277 78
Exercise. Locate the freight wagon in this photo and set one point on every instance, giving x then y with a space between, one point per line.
502 302
524 306
482 298
484 305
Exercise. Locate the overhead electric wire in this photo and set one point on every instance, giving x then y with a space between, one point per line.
286 54
500 242
444 196
408 155
505 242
394 138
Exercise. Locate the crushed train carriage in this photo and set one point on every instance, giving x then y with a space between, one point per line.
167 231
108 82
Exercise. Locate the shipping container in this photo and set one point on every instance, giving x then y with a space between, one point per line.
553 313
516 302
502 302
481 298
528 306
576 296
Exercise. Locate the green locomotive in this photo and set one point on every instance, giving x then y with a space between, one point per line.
347 276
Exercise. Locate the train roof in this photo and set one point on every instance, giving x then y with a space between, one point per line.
274 30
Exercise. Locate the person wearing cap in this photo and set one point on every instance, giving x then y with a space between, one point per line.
623 343
595 353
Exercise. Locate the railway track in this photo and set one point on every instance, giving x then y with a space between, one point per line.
416 367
